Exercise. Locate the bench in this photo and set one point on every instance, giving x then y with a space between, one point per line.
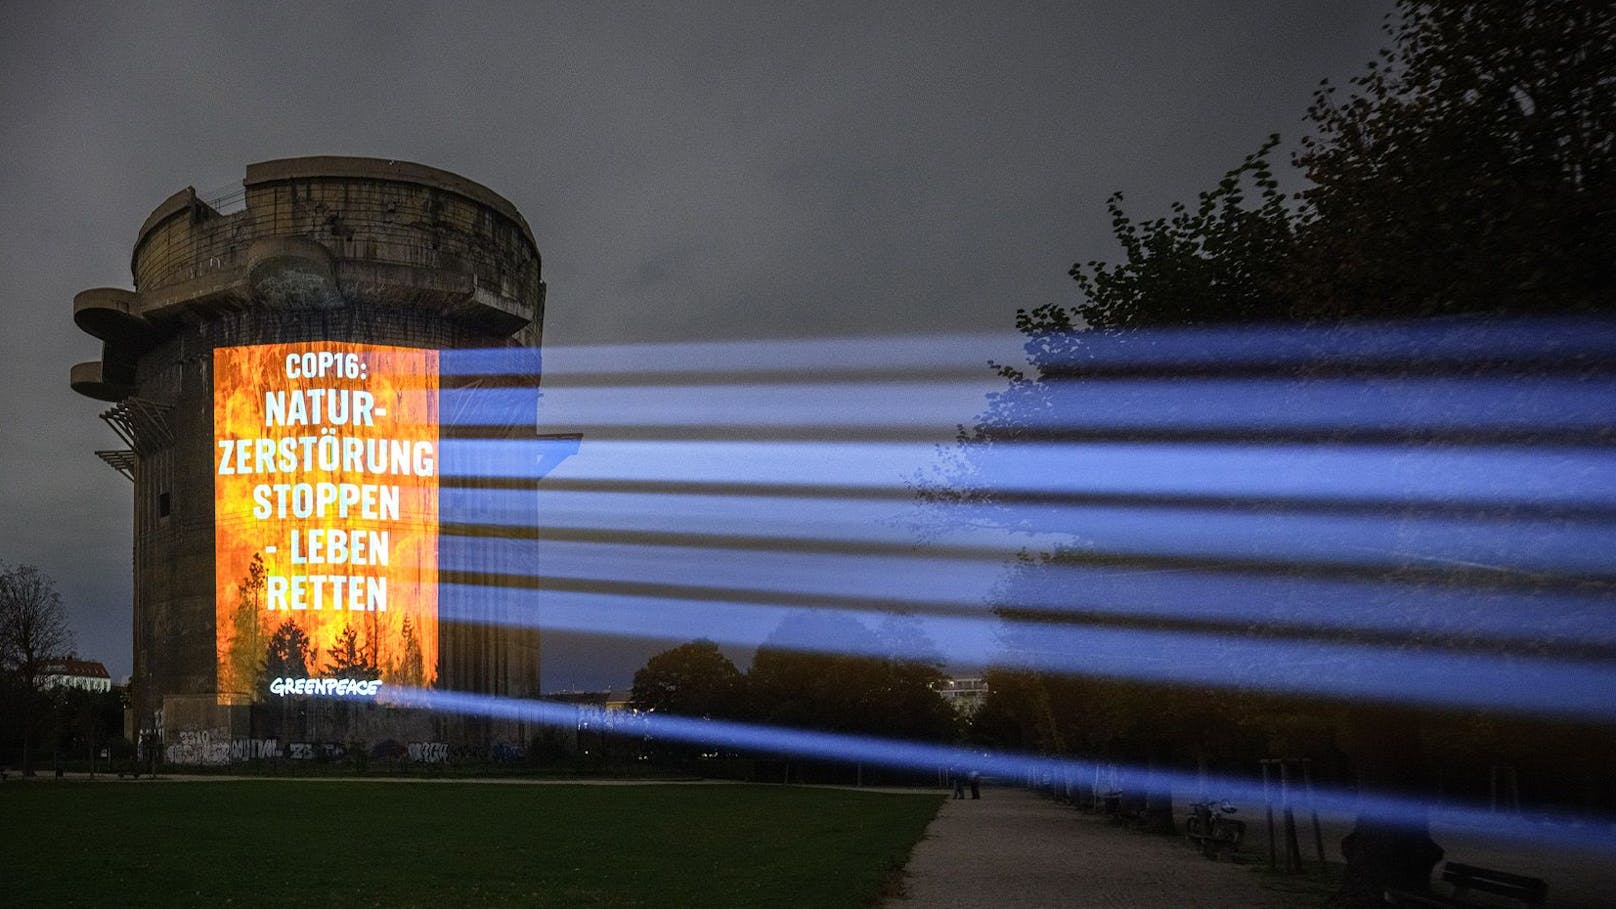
1522 890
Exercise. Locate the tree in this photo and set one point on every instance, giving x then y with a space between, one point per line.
1137 723
86 721
350 658
1224 262
852 680
410 670
1221 262
33 633
693 679
247 630
1468 172
1472 169
909 678
289 654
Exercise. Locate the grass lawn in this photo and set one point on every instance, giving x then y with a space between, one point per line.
361 843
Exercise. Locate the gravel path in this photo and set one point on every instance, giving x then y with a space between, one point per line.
1015 849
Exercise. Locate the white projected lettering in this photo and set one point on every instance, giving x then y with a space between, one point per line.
341 688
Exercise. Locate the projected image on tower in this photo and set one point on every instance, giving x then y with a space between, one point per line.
326 516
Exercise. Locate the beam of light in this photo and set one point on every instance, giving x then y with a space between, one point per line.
1580 548
1472 407
1562 831
1539 342
457 363
1415 513
942 583
1389 475
1521 684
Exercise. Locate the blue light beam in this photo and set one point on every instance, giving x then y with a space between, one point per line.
1562 831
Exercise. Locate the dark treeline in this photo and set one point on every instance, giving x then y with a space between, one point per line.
43 720
892 695
1461 756
73 728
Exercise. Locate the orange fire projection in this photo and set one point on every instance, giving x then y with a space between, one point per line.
326 512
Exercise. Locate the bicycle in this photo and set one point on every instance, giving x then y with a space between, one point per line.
1209 827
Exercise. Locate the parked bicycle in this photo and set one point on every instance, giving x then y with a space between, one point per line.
1210 828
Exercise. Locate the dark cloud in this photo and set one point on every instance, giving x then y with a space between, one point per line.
732 171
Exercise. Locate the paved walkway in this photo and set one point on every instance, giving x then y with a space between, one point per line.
1016 849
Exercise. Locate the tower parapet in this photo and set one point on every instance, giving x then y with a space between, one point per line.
319 232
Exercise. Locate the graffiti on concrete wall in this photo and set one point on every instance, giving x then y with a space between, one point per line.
428 752
214 747
200 746
254 749
311 751
507 752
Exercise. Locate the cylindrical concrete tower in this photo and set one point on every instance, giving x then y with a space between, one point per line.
355 251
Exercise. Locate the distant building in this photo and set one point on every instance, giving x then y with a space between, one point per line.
964 695
600 713
603 699
596 699
74 673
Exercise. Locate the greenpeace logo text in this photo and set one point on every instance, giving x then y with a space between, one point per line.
342 688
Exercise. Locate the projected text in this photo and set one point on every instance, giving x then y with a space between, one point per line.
326 506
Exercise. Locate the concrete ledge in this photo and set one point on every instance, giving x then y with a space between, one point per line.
504 314
227 286
109 313
85 378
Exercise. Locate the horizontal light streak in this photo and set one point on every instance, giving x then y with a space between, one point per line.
1361 540
1517 683
1546 476
929 583
490 361
1552 343
1282 492
1185 405
850 520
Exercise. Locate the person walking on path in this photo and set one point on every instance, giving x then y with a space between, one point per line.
959 782
976 784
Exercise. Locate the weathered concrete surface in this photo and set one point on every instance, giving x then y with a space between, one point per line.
1013 848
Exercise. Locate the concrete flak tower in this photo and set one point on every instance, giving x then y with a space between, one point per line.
321 255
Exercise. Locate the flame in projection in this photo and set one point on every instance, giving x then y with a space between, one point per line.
264 570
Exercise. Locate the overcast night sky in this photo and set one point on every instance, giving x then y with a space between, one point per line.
689 172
